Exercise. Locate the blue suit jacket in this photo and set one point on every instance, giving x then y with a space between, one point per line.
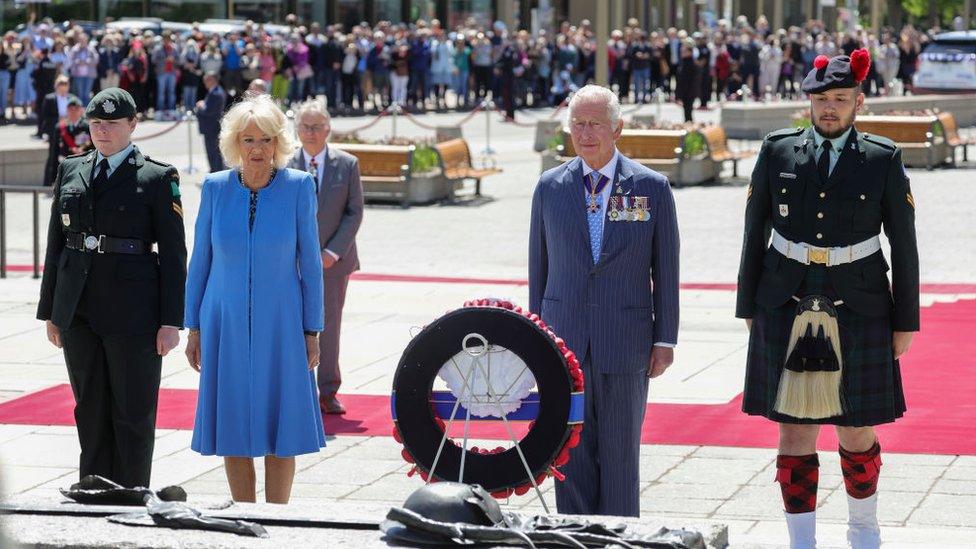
208 118
628 300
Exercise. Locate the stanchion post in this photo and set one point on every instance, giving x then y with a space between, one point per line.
660 101
488 154
396 112
188 118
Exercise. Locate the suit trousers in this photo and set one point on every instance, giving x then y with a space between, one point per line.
603 473
115 381
329 377
211 141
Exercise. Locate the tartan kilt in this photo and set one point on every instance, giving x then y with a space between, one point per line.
871 380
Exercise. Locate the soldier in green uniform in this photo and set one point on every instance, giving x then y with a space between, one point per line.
826 327
111 301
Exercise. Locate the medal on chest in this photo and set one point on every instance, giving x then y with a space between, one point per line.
595 183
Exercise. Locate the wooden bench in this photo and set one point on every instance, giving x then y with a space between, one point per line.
456 165
916 136
661 150
951 133
383 169
718 148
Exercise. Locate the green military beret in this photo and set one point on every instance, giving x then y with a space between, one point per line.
111 104
73 101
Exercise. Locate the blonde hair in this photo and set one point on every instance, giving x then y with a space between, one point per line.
261 110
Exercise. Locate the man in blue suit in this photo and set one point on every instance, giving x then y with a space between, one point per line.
603 273
209 112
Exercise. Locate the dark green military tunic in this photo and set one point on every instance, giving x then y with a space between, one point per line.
110 306
867 190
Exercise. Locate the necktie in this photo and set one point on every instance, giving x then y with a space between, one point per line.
823 164
313 168
101 177
594 213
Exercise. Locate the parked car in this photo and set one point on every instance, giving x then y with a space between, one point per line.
947 64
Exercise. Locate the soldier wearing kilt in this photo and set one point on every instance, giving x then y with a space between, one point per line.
826 328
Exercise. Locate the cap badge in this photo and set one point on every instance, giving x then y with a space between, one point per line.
108 106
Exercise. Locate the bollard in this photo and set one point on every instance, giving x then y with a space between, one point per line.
488 154
659 93
188 118
396 111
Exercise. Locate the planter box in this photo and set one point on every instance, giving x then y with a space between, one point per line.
544 131
23 166
447 133
549 160
696 170
755 120
422 188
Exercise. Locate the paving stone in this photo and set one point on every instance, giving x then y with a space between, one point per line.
893 507
956 472
946 510
954 487
349 471
752 502
706 471
670 491
685 506
41 449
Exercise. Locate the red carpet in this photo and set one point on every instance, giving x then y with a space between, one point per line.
937 375
928 288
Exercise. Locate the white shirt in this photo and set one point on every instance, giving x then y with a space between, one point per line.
319 162
62 105
609 170
319 171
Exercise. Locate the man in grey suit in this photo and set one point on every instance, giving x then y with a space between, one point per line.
603 273
340 195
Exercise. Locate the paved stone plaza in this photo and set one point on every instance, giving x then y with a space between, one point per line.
926 500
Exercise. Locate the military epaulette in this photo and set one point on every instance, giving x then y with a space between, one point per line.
158 162
785 132
879 140
79 155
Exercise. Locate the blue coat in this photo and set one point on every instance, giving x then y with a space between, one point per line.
252 294
628 300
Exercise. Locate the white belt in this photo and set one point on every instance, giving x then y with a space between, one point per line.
807 254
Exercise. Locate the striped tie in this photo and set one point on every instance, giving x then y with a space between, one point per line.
313 168
595 218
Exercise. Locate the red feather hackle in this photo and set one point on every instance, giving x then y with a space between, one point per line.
860 64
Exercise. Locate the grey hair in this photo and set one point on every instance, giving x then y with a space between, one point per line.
593 92
315 106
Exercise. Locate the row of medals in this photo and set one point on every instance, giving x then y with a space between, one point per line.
624 208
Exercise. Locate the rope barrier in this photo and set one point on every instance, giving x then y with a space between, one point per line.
470 115
414 119
367 125
159 133
507 118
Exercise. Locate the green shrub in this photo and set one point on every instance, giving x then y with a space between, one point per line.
694 144
425 158
556 141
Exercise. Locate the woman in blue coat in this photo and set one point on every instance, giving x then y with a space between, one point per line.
254 306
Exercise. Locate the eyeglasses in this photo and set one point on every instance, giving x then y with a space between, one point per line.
305 128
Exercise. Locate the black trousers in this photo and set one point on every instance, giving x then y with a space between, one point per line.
115 381
211 142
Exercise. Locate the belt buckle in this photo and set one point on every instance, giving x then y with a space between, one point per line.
92 243
819 256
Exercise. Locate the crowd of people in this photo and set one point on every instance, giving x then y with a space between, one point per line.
425 66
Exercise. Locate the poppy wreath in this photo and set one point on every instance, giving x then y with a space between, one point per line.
554 431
